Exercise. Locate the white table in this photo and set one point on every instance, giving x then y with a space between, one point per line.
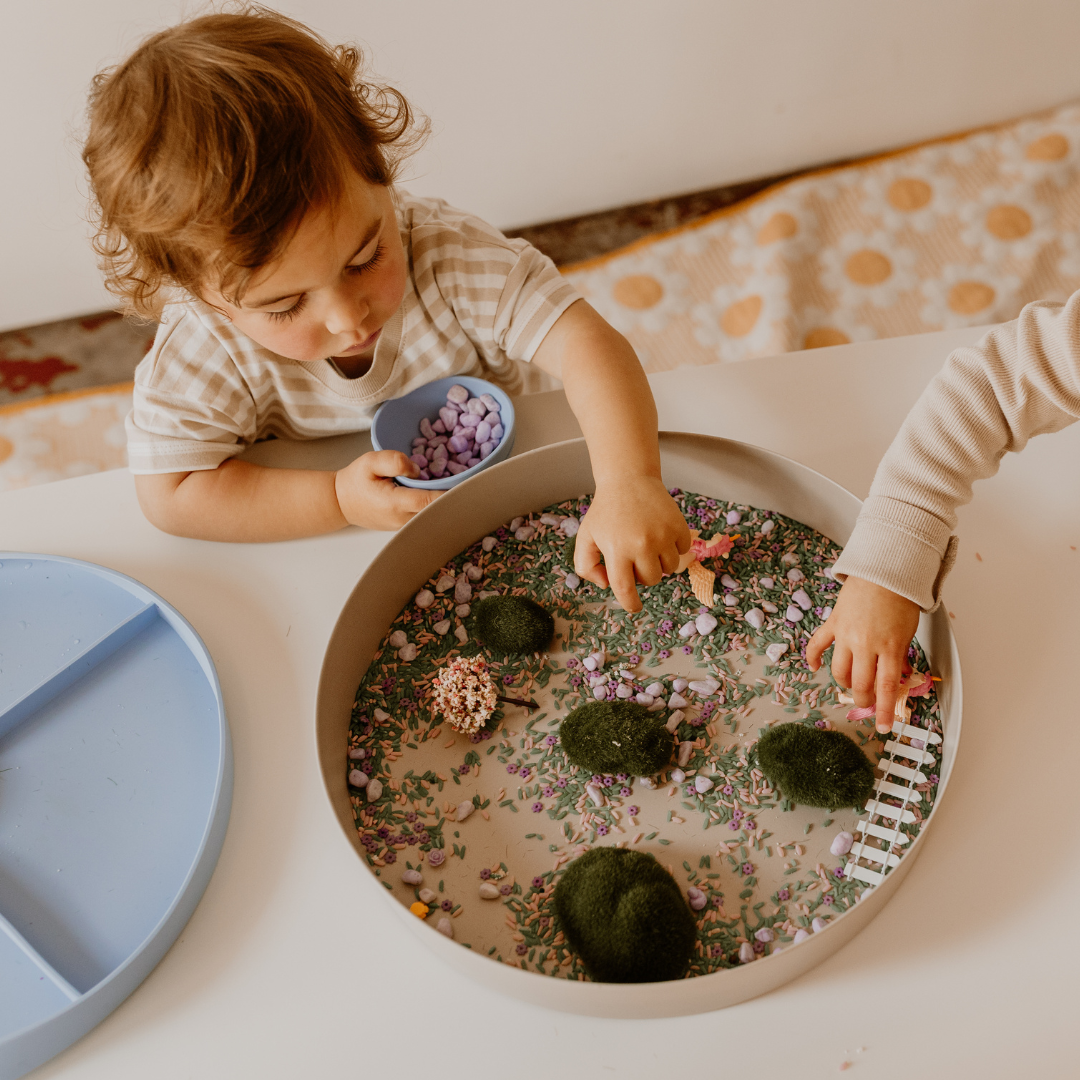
289 969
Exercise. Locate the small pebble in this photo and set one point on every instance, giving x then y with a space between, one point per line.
647 781
768 583
674 720
746 953
702 784
818 925
445 582
688 629
464 809
357 753
397 639
407 652
569 526
358 778
446 927
800 597
457 394
455 467
826 612
599 692
624 673
789 558
516 524
733 517
600 657
489 891
590 663
793 613
462 611
841 844
765 935
657 705
449 417
624 691
677 701
461 634
429 896
644 699
829 572
755 617
686 749
476 406
488 543
572 581
497 432
462 592
795 575
412 877
775 651
548 519
473 573
679 685
728 582
767 526
425 598
374 790
696 898
772 609
706 623
655 688
595 794
381 715
677 776
730 600
800 935
704 687
526 532
491 403
442 626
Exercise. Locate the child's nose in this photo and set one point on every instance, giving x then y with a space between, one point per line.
346 314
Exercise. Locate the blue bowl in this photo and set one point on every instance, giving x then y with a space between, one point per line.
397 423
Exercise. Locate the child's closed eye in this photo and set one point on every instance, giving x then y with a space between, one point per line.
374 261
291 313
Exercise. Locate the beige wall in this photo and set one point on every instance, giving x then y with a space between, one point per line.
544 110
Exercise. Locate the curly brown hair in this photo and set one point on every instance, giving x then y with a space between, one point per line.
208 145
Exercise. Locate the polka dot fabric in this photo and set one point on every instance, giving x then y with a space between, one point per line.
961 232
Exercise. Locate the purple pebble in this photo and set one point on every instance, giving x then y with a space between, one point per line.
486 449
420 460
476 407
459 443
469 420
419 441
426 429
424 474
455 468
457 395
473 461
439 452
483 431
439 440
493 418
459 430
439 427
438 468
463 459
449 417
490 402
497 432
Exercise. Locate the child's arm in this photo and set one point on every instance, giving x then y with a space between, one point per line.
1021 380
633 523
247 503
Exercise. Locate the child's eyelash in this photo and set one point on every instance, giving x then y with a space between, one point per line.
291 313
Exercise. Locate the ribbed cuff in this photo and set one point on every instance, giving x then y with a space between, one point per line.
901 548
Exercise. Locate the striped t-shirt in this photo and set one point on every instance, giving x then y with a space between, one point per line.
476 303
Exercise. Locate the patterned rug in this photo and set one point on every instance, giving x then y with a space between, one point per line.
959 232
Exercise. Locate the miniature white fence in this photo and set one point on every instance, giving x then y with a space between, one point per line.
866 855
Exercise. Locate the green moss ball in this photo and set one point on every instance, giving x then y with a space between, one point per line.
509 625
616 737
624 916
814 767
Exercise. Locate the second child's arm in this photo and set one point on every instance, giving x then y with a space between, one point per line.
245 503
632 523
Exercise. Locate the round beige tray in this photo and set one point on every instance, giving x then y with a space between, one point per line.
717 467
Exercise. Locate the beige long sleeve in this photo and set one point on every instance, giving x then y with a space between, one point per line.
1022 379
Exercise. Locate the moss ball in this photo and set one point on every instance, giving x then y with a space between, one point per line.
509 625
615 737
624 916
814 767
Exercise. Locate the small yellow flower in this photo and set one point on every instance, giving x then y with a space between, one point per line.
419 909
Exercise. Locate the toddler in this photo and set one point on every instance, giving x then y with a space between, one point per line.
1022 379
243 177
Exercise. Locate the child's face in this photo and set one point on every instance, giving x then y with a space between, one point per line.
334 287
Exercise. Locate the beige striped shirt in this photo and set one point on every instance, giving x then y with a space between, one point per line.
476 303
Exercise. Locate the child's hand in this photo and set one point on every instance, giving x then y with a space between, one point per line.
368 496
870 629
638 530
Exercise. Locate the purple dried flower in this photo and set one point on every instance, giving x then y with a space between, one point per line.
687 649
625 792
622 777
446 905
759 946
664 654
608 781
425 838
783 895
410 840
737 814
410 815
507 679
511 768
551 740
733 824
474 737
390 857
538 882
601 829
633 811
463 770
747 868
933 778
548 791
523 772
485 734
646 647
382 832
561 782
571 661
537 807
828 898
506 889
521 949
727 789
485 874
749 823
635 660
838 872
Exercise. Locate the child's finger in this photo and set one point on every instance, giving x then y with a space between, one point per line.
889 673
648 570
623 584
587 561
390 463
669 560
410 501
819 641
841 666
863 676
